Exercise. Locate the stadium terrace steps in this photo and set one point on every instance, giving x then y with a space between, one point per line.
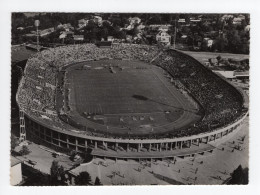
181 66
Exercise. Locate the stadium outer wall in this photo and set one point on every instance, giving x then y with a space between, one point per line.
63 140
66 140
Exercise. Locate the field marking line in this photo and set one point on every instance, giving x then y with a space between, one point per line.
133 113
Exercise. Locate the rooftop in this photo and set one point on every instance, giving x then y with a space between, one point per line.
14 161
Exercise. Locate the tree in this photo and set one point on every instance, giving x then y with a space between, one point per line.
119 34
104 33
14 142
186 30
83 179
115 21
57 174
54 170
220 44
97 182
234 41
24 150
219 58
204 46
154 19
239 176
34 177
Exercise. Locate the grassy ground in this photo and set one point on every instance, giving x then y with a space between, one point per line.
136 95
204 56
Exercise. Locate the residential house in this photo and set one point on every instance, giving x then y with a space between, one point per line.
226 17
213 61
208 41
45 32
140 27
195 20
163 38
20 28
241 75
242 17
237 21
129 27
78 37
165 27
129 38
110 38
226 74
134 20
182 20
98 20
65 34
82 23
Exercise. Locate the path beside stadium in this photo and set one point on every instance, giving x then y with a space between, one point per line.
215 169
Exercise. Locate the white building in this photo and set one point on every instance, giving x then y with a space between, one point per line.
195 20
45 32
97 20
164 28
82 23
141 27
66 27
16 171
247 28
242 17
226 74
163 37
110 38
160 27
237 21
208 41
226 17
129 38
64 34
134 20
78 37
20 28
181 20
129 27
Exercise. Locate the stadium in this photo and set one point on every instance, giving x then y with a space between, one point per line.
126 102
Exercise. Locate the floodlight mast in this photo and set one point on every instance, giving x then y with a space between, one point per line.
37 24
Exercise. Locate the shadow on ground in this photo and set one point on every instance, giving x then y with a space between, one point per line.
167 179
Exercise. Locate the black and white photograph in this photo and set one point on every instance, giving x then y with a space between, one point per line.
129 98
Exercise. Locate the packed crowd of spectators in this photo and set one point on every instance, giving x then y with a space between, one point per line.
222 104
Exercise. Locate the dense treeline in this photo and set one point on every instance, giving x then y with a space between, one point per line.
228 37
239 176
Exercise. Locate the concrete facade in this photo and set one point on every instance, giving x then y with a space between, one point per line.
127 148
